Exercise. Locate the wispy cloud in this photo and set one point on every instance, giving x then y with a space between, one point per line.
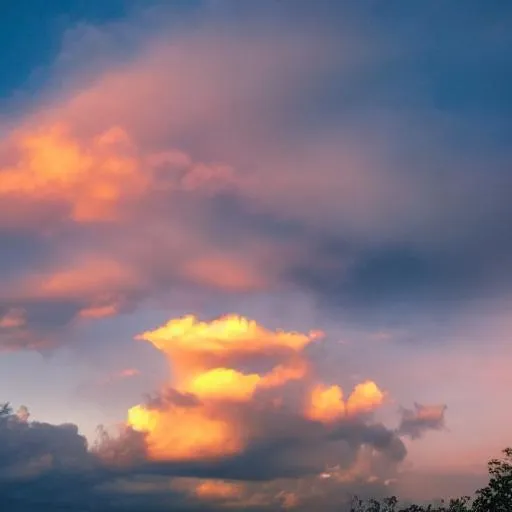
183 165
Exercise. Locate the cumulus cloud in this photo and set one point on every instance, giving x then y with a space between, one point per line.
115 474
415 422
50 467
29 449
207 360
244 421
244 404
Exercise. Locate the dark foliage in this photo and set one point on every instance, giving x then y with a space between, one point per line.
496 496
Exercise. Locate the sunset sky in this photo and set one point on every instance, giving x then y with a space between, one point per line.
265 244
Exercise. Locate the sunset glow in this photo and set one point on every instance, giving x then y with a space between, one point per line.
254 255
211 427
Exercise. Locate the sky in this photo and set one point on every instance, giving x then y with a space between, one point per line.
253 255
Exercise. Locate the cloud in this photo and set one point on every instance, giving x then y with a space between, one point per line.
327 403
50 467
244 421
115 474
217 489
16 332
240 393
12 319
128 167
204 357
189 163
305 152
415 422
93 180
29 449
127 373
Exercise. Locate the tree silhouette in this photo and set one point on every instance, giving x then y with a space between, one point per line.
5 409
391 505
496 496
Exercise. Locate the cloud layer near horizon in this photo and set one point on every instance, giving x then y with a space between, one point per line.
271 437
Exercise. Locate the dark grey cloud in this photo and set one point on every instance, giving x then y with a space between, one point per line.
42 324
281 443
49 467
415 422
46 465
460 253
397 275
19 250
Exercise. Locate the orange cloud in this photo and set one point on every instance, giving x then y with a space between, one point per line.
229 384
224 383
182 433
294 369
91 178
365 397
204 358
239 496
193 347
327 404
230 333
218 489
104 176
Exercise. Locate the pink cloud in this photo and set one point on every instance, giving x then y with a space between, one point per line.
140 150
126 170
13 319
109 156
